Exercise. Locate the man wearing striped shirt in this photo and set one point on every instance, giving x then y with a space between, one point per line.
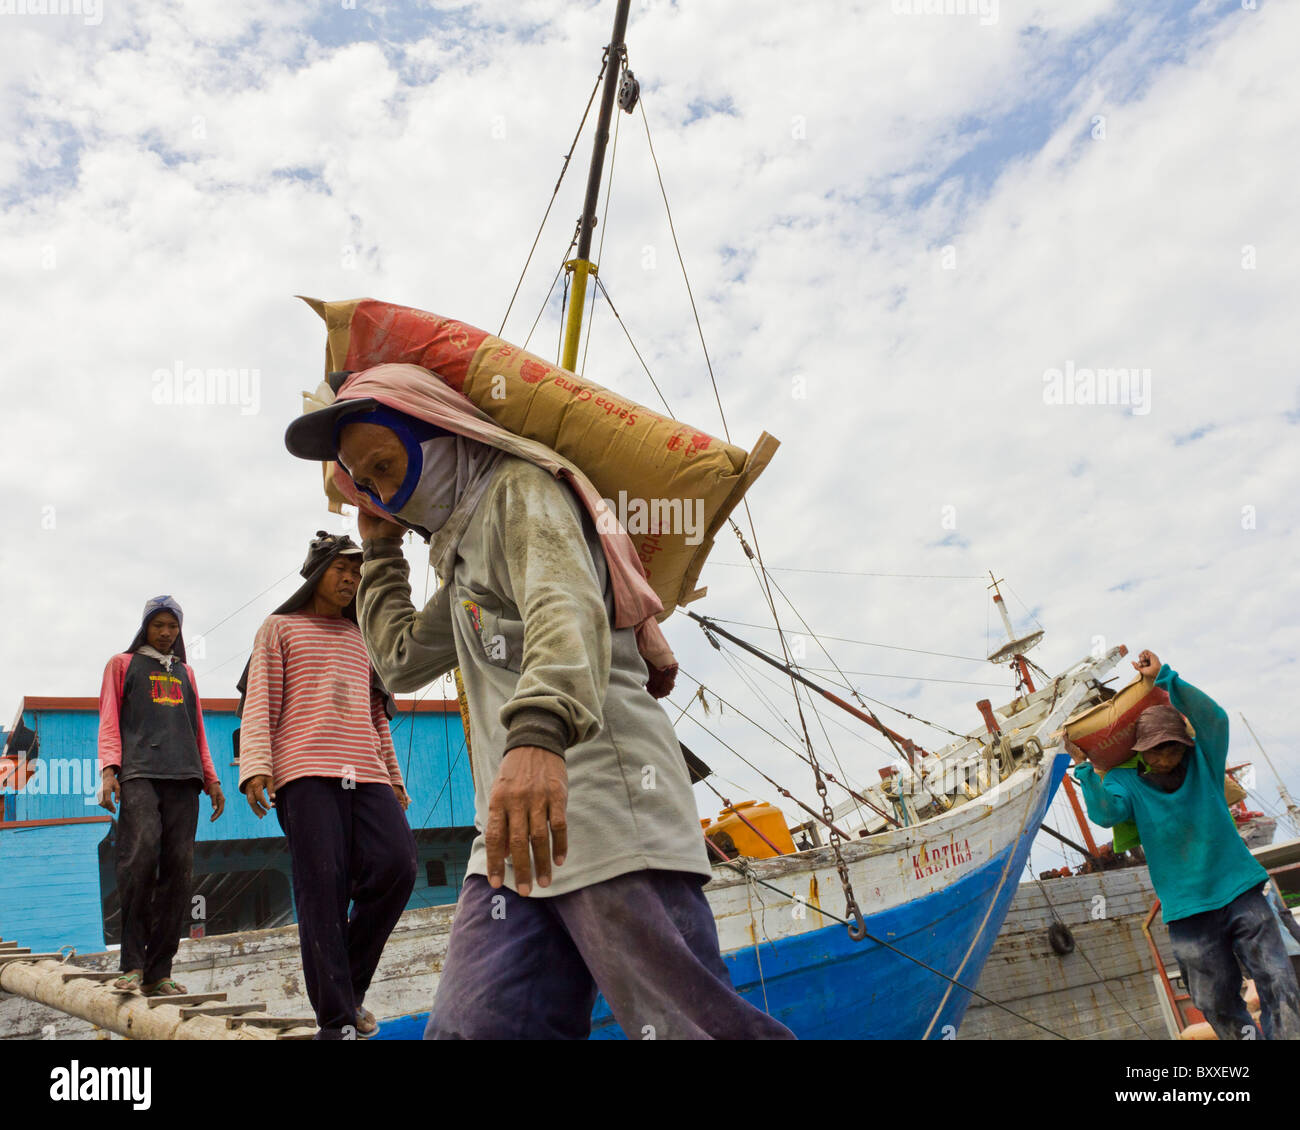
315 745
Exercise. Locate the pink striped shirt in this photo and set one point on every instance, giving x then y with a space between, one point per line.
310 710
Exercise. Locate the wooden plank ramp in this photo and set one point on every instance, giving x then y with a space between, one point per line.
88 995
261 965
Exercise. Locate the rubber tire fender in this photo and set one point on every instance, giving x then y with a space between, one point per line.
1060 938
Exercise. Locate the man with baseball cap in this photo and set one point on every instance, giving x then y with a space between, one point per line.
1207 880
315 746
550 621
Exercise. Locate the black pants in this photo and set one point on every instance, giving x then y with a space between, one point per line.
346 844
155 866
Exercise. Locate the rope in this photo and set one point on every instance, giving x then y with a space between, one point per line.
853 572
857 799
600 249
753 927
677 247
564 306
742 868
863 643
291 573
1026 608
564 169
780 789
761 674
623 326
1042 886
563 259
908 678
450 773
992 902
834 754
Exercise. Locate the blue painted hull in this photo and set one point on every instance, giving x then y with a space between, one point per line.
824 986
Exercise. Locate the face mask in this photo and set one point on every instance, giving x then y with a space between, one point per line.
439 482
452 468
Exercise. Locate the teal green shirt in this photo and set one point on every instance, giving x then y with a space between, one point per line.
1197 859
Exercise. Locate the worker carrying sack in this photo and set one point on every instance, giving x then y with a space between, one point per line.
670 486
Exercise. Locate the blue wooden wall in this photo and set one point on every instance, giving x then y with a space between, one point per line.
49 875
431 754
49 886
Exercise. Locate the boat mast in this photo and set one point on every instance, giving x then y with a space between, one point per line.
1015 648
1292 809
582 266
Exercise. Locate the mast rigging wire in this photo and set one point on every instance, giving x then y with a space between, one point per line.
600 249
864 643
846 785
563 169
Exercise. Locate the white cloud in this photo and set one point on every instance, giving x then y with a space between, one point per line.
225 160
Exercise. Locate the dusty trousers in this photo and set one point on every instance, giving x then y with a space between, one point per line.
155 864
346 844
1210 945
529 968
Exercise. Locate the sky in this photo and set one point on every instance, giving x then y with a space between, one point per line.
914 232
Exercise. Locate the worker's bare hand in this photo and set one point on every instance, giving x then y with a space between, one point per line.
257 789
109 791
217 797
527 808
1147 665
369 526
402 798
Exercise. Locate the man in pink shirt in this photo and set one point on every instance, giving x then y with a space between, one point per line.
315 746
153 760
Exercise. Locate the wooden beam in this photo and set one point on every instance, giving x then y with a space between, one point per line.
55 822
127 1014
179 999
271 1021
216 1008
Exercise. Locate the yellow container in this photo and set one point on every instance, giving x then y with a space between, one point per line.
734 836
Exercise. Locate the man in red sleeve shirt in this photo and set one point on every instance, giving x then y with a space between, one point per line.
153 758
314 744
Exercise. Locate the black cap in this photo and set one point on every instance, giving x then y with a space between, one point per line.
313 435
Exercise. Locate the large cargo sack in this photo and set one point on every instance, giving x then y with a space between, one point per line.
1107 731
671 486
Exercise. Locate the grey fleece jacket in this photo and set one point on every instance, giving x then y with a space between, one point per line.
525 611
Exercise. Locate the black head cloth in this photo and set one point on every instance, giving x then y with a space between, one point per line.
324 548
